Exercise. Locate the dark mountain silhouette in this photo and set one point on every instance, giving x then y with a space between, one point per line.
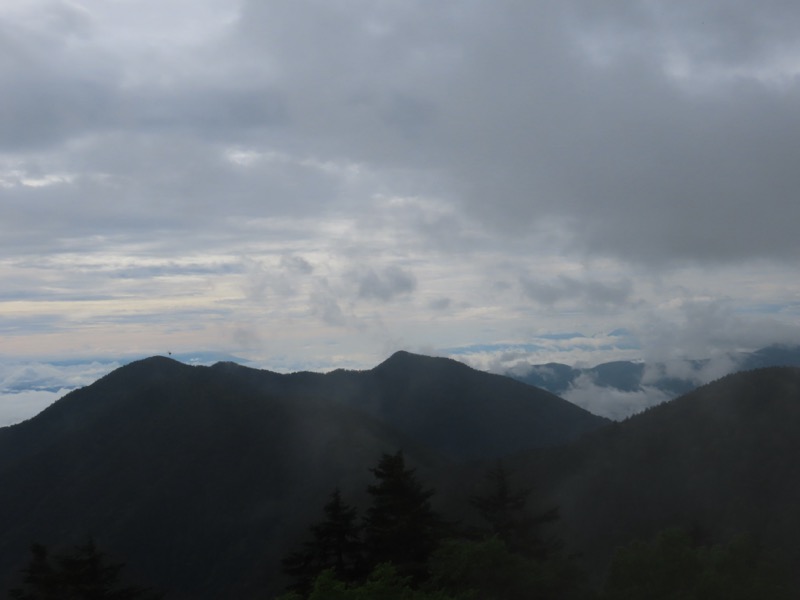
719 461
202 477
634 376
439 402
772 356
194 477
466 413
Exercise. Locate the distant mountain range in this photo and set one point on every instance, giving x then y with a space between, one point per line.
201 478
669 379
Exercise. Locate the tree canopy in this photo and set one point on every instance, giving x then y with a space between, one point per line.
400 525
673 566
335 544
506 510
85 573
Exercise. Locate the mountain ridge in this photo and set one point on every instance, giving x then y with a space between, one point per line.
217 460
203 477
653 382
720 461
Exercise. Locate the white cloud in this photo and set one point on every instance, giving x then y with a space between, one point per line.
21 406
28 387
610 402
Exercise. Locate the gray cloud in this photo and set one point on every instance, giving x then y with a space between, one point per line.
440 304
706 371
386 284
612 403
646 133
567 290
296 264
711 329
602 120
328 309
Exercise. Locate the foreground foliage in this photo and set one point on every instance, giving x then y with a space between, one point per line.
400 527
335 545
459 570
410 552
673 567
83 574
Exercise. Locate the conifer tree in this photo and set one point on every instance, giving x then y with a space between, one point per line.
400 526
335 544
40 578
83 574
673 566
506 510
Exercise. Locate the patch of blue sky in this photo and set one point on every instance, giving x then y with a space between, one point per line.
475 348
189 358
561 336
207 358
204 358
620 332
44 323
45 294
623 344
22 387
285 364
75 362
197 318
603 347
176 270
564 342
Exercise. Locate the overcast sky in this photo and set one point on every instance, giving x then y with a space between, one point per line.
315 184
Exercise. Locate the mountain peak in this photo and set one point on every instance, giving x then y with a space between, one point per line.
402 359
151 366
157 360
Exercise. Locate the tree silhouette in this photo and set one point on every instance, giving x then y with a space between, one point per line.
505 509
400 526
673 566
334 544
83 574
